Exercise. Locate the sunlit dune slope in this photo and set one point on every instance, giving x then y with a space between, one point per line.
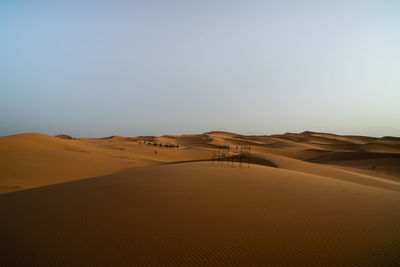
31 160
197 214
34 159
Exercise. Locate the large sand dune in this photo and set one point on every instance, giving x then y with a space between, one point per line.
199 214
308 198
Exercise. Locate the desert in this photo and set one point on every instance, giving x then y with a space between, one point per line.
199 133
300 199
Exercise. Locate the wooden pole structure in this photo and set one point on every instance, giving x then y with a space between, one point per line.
219 155
248 160
227 159
241 156
232 159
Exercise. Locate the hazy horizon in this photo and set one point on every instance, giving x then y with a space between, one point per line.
100 68
197 133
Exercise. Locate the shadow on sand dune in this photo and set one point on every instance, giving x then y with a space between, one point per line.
235 160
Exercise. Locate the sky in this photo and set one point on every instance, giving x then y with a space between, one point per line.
130 68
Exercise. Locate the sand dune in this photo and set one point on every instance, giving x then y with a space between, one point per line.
31 160
302 199
199 214
380 148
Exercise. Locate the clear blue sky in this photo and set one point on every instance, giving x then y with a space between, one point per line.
99 68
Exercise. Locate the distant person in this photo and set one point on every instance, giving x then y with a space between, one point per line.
155 152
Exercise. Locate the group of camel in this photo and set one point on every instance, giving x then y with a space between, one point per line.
160 145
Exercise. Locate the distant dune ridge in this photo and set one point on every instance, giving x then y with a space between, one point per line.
64 136
303 198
